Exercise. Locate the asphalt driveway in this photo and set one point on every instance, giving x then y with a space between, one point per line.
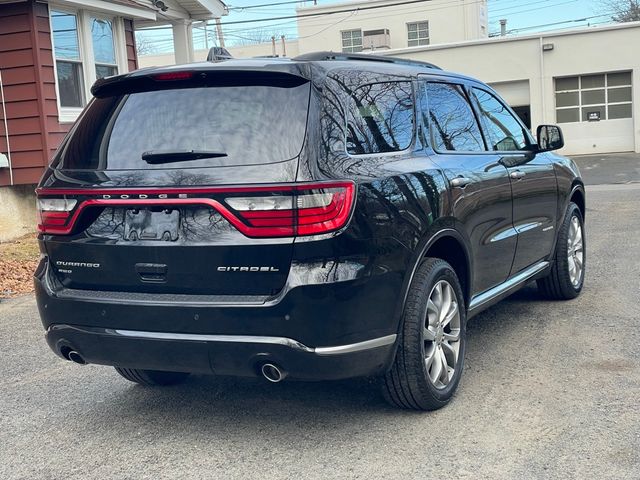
551 390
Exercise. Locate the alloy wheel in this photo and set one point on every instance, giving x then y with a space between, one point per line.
442 334
575 251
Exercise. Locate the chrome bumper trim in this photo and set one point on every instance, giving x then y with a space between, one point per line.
356 347
287 342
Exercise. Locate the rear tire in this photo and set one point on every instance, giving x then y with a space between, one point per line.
430 357
564 282
152 377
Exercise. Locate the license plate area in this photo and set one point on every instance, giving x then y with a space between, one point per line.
160 224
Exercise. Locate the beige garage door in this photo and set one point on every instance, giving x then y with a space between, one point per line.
516 94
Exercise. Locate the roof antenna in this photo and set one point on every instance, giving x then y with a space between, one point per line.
218 54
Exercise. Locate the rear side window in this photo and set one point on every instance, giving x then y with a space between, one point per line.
247 125
453 125
380 118
504 132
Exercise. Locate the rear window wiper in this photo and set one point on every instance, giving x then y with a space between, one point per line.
170 156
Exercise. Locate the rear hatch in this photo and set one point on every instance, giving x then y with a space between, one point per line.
165 183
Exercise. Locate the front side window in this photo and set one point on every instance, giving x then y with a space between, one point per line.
504 132
352 41
418 33
453 125
66 48
380 118
104 52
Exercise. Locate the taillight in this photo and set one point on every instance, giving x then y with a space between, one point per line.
54 213
256 211
304 210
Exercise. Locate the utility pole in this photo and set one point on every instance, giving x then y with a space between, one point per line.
220 34
284 46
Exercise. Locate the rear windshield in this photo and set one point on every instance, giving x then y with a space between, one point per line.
246 125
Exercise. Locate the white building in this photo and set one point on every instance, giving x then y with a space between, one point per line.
381 24
366 25
587 79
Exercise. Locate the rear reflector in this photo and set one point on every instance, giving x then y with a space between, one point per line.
256 211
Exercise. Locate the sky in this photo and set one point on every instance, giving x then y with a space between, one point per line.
524 17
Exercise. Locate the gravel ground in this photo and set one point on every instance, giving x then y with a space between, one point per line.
550 391
18 261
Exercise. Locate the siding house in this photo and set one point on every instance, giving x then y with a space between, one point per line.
51 52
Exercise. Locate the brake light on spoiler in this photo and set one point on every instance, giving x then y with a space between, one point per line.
286 210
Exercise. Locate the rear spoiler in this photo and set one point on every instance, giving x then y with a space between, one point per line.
193 78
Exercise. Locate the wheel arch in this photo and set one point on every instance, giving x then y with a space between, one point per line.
449 245
578 197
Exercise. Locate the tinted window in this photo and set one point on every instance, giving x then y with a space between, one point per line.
453 124
380 118
251 124
504 132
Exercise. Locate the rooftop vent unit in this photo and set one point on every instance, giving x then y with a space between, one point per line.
376 39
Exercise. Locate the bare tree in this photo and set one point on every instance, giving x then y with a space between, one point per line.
254 37
623 10
144 46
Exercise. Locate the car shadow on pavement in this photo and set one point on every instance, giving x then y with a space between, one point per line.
228 406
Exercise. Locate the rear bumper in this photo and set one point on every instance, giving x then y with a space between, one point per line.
314 329
236 355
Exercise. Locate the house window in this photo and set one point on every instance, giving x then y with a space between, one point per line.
104 50
85 48
418 33
352 41
66 46
605 96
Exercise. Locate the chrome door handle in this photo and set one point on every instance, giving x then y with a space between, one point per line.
460 182
517 175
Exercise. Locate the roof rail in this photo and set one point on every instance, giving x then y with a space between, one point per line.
328 56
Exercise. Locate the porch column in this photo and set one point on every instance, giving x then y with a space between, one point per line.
183 41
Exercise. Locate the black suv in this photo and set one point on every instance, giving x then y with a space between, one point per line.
325 217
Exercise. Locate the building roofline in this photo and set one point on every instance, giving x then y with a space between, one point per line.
345 4
494 40
126 9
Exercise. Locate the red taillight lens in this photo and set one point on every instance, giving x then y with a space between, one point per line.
256 211
54 213
304 210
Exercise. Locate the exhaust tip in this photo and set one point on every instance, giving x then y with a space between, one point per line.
76 357
273 373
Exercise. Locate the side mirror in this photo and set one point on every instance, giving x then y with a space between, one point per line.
549 138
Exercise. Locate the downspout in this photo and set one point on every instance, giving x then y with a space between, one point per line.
6 128
542 80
